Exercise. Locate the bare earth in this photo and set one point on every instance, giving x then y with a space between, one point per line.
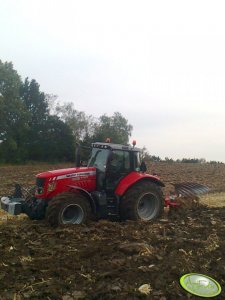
111 260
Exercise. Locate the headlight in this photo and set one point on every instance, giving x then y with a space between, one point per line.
39 190
51 186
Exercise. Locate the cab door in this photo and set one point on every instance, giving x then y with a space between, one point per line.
119 165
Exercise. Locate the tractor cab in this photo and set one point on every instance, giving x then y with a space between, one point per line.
113 162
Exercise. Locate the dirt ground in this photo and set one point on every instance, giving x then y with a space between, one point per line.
111 260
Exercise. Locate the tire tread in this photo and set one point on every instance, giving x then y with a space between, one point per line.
127 206
57 203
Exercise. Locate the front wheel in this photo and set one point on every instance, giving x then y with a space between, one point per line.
143 201
68 208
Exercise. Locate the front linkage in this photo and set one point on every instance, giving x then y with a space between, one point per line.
29 205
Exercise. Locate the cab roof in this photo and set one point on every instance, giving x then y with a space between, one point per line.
111 146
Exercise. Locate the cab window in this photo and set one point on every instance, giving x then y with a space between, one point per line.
137 161
120 161
99 159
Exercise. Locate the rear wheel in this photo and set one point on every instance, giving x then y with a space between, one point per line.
68 208
143 201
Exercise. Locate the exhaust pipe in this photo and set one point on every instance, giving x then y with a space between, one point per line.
77 156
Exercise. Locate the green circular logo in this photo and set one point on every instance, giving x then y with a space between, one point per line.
200 285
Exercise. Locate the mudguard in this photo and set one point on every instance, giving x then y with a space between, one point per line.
134 177
86 193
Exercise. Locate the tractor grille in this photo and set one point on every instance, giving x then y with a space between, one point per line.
40 182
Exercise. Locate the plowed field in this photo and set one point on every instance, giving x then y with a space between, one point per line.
111 260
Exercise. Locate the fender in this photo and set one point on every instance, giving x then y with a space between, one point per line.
84 192
134 177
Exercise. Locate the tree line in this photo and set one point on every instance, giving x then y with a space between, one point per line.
154 158
35 127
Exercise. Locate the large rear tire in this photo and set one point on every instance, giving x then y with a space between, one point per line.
143 201
68 208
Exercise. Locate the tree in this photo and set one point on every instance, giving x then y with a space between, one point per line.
9 98
49 138
34 101
115 127
78 121
169 160
148 157
53 104
29 132
9 81
54 142
36 107
13 115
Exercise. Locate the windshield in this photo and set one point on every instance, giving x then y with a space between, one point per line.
99 158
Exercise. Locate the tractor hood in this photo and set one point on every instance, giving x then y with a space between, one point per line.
67 172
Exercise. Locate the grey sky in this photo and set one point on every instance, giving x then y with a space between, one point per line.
160 63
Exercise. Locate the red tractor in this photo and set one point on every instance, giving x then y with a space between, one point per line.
114 185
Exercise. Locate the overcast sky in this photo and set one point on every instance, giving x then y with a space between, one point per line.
160 63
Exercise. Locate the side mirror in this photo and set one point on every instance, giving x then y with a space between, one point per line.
77 156
143 167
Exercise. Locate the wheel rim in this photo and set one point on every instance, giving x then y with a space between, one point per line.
147 206
72 214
